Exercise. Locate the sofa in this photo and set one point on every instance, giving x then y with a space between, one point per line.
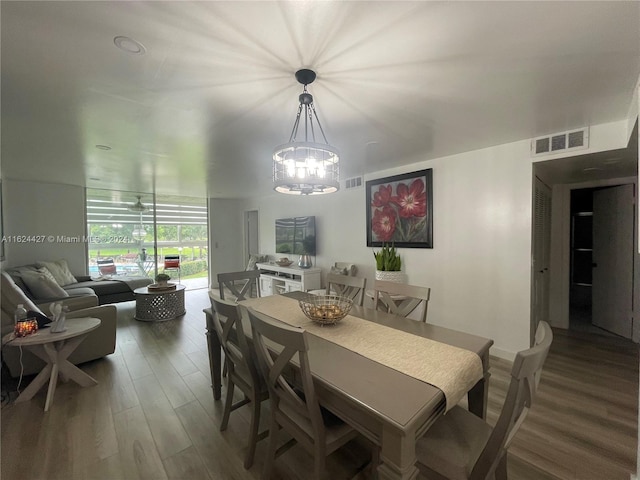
97 344
46 282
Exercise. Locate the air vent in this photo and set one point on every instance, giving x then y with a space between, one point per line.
354 182
558 142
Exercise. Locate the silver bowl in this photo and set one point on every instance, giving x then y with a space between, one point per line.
325 309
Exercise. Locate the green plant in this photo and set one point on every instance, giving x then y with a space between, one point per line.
162 277
388 259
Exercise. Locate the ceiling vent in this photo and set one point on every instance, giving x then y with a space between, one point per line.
559 142
354 182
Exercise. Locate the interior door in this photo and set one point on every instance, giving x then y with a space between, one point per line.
541 249
612 291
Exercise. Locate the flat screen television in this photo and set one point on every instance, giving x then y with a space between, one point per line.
296 235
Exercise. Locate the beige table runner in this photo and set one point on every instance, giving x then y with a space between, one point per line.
451 369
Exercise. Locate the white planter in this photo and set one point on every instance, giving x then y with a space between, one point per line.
397 277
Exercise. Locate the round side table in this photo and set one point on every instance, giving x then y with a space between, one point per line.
159 305
55 348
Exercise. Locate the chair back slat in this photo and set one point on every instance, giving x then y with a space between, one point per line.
351 287
276 344
239 283
415 296
525 377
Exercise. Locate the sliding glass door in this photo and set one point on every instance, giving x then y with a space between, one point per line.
135 231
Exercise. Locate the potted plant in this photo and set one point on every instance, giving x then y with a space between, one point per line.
388 264
162 279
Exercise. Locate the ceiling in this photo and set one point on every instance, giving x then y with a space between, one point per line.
200 112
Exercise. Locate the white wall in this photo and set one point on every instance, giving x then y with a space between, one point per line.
225 238
479 268
45 211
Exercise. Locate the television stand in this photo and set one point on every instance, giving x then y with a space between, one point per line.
275 279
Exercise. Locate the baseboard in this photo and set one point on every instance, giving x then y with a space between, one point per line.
504 354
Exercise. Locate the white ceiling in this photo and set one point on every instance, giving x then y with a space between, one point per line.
200 112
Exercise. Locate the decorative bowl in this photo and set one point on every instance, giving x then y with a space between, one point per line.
284 262
325 309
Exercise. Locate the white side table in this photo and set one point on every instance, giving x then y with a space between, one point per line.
55 348
158 305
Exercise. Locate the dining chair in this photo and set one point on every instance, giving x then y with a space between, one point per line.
300 414
407 298
242 370
352 287
461 445
240 284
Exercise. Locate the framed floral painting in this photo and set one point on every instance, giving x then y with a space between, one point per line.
400 210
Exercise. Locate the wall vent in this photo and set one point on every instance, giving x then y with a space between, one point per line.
354 182
558 142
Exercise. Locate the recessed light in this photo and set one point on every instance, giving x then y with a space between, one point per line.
103 147
129 45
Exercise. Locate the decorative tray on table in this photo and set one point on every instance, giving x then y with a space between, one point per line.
162 286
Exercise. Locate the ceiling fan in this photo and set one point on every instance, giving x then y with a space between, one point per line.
138 206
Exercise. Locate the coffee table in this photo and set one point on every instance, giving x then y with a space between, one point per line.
159 305
55 348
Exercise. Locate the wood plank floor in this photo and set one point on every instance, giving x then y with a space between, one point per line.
152 415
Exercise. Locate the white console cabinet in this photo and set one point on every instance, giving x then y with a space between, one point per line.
275 279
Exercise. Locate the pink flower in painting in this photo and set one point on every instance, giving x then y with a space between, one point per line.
384 223
382 197
411 200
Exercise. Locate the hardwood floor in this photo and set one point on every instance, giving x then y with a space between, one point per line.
152 415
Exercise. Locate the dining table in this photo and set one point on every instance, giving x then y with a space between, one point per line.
385 403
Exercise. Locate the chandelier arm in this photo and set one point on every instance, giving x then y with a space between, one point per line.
294 132
319 125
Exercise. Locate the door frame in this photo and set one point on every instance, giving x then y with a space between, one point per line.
560 260
246 241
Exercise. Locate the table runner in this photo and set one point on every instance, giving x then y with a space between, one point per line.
451 369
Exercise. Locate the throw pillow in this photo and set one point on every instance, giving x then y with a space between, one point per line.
60 271
45 271
339 271
42 286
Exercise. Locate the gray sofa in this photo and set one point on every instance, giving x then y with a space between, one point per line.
99 342
114 290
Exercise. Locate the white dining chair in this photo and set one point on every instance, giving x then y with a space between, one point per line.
242 285
401 299
462 446
343 285
316 430
242 371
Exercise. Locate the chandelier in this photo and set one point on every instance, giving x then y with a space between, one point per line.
304 166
